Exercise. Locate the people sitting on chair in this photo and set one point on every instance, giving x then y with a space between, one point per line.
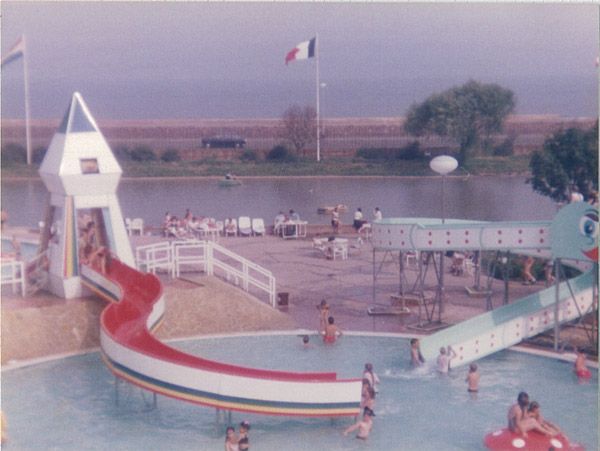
230 227
174 228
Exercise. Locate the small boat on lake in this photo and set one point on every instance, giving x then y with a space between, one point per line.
324 210
229 180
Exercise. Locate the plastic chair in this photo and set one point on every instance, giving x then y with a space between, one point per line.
244 226
258 226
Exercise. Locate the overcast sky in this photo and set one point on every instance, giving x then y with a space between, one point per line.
97 46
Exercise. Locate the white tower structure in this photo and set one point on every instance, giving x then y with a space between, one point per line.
82 175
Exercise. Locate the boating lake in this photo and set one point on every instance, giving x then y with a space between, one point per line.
477 198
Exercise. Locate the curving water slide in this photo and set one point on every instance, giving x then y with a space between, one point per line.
572 236
131 352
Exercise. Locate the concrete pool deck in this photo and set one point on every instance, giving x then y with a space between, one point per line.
197 304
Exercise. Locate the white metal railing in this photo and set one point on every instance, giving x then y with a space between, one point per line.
36 271
153 257
209 257
190 255
13 273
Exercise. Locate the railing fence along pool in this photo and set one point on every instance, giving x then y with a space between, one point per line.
177 257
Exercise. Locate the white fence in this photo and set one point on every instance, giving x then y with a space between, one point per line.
13 273
211 258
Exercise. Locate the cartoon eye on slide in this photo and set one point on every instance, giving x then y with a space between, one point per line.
588 225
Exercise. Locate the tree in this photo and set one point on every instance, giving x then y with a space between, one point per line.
464 113
567 161
299 127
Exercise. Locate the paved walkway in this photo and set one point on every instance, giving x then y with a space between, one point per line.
347 285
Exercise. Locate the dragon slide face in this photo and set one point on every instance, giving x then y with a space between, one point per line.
574 232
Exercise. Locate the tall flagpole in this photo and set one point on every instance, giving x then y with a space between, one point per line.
26 85
318 100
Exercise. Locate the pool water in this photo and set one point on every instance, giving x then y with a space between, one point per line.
70 403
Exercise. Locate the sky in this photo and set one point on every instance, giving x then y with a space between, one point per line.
166 59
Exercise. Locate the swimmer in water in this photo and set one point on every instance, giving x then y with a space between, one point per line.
332 332
231 440
535 412
323 309
244 440
371 376
444 359
580 366
472 379
520 422
416 358
364 426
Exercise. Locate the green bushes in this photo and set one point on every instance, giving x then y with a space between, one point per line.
281 154
248 155
504 149
170 155
142 153
411 151
13 153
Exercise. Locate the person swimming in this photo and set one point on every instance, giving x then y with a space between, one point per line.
244 440
444 359
323 308
364 426
416 358
231 440
519 420
472 379
371 376
332 332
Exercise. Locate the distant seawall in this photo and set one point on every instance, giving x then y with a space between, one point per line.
340 136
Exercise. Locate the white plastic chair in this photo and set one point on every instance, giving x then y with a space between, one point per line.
244 226
136 225
258 226
340 250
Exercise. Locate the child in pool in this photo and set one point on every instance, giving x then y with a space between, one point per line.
371 376
580 366
416 358
364 426
444 359
244 440
472 379
231 440
331 331
534 412
323 308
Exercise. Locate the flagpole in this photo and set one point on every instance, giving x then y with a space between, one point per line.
318 100
26 85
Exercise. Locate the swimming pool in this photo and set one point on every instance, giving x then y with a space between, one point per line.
70 403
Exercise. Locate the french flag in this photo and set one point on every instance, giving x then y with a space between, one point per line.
16 51
302 51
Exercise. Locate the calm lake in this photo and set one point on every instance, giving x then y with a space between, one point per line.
478 198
